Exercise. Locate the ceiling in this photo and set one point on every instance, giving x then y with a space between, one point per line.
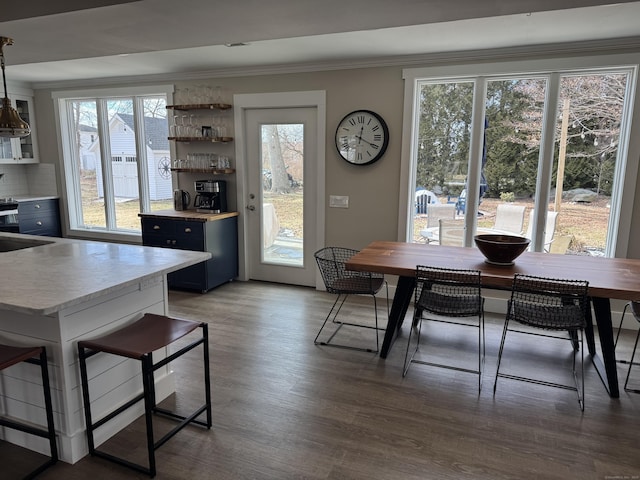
78 40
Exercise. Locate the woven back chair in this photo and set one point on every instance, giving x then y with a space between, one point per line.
635 311
553 305
450 296
342 282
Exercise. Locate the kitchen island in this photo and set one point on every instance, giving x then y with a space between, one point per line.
57 293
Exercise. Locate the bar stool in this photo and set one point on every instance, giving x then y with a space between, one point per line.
138 341
9 356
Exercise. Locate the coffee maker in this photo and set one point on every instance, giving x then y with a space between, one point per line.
211 196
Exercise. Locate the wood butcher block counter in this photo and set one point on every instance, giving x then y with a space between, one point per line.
58 293
189 215
216 233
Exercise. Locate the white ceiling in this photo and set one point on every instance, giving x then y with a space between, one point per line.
78 40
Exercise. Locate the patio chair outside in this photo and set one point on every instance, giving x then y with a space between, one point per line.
510 218
435 212
549 229
451 232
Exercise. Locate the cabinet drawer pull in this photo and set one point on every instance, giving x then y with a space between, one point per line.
168 242
37 205
173 242
187 230
156 227
39 223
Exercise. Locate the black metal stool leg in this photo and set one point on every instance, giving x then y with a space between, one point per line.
149 406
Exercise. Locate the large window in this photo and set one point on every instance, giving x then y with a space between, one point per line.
116 158
541 155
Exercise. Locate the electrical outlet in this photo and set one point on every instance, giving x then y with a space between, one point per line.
339 201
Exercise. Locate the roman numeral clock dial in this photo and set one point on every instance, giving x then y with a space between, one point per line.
362 137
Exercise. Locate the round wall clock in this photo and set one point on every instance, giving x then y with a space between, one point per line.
362 137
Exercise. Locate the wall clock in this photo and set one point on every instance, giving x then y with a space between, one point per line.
362 137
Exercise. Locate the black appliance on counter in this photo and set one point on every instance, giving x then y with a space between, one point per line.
211 196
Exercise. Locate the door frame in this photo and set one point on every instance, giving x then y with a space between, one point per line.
243 102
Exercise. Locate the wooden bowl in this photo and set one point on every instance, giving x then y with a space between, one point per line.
501 249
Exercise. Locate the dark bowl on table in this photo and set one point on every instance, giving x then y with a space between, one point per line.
501 249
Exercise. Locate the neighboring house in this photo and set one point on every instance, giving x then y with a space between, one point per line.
124 162
88 136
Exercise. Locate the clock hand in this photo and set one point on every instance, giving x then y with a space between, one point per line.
366 141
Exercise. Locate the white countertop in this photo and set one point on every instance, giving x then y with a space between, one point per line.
45 279
29 198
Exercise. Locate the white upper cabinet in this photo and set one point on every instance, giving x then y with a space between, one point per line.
21 150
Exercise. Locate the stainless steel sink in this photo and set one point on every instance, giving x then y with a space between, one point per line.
10 244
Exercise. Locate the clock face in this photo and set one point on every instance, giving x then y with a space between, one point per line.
362 137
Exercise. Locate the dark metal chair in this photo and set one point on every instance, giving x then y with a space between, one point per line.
138 341
12 355
552 305
450 296
635 311
342 282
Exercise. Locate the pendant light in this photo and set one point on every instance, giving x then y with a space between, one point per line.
11 125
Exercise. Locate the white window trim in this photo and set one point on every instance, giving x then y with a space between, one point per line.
68 175
622 198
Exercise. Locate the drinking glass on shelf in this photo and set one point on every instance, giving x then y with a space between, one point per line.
184 126
173 129
210 94
224 162
185 99
217 94
221 129
194 128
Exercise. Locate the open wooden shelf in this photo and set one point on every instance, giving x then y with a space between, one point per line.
215 171
201 106
202 139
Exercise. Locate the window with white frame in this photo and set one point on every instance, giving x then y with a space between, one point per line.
115 146
541 154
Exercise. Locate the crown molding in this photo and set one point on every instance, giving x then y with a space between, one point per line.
589 47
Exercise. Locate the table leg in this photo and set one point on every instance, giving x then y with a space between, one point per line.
401 301
602 309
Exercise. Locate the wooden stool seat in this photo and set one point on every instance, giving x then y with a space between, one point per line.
147 335
138 341
11 355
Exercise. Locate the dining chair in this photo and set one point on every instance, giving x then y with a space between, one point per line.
551 305
450 296
635 311
342 282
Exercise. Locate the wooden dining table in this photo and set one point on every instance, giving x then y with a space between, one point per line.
609 278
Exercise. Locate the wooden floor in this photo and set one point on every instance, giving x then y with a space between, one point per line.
284 408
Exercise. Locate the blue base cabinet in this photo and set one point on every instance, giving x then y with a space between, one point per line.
218 237
39 217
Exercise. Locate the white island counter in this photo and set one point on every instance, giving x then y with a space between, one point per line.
67 290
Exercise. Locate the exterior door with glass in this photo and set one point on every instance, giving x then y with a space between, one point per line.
281 173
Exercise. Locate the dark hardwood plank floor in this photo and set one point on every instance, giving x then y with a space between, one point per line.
284 408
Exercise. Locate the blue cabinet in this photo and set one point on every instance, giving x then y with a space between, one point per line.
218 237
39 217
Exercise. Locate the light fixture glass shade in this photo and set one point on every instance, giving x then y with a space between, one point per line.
11 125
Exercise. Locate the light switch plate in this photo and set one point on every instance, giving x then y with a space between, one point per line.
339 201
